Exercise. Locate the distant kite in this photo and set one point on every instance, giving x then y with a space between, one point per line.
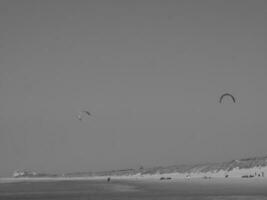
82 113
227 94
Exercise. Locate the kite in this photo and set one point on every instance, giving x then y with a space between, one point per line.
82 113
227 94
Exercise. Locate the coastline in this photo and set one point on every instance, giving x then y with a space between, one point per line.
233 175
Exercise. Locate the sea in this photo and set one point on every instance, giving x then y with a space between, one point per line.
133 190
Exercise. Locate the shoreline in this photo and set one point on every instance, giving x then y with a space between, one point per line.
168 178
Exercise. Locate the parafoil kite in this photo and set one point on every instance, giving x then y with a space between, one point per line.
82 113
227 94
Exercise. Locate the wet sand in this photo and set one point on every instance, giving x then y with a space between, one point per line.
195 188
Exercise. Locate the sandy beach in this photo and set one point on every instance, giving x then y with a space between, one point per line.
163 178
133 188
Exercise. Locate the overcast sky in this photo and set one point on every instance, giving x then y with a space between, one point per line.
150 72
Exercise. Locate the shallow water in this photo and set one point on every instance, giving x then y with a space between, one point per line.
142 190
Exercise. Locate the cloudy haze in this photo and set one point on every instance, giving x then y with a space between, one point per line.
150 73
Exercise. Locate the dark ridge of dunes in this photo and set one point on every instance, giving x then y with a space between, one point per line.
207 167
211 167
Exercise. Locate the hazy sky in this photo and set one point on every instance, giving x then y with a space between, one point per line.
150 72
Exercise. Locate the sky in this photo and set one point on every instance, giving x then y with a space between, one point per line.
150 72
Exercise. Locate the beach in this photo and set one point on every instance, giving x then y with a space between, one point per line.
197 183
133 188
